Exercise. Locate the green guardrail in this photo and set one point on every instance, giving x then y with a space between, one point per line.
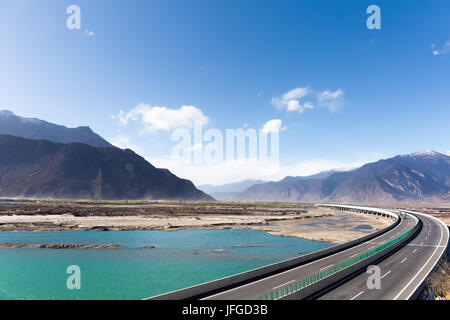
319 276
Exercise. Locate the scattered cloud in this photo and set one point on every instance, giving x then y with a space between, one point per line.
155 118
444 50
296 93
291 100
448 153
124 143
332 100
275 125
89 33
302 99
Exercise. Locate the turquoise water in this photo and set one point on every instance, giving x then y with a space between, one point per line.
181 259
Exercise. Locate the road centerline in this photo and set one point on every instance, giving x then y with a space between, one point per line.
386 274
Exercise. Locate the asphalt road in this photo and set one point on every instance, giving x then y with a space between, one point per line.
260 287
404 271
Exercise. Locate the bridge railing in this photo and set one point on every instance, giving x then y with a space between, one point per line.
212 287
318 279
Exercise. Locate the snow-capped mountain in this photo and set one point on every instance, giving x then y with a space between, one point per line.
417 177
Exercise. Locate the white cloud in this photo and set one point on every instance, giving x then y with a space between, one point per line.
292 101
124 143
155 118
238 170
296 93
444 50
448 153
275 125
332 100
328 95
296 106
89 33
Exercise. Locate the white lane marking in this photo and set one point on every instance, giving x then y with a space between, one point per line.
440 223
354 255
386 274
426 238
421 244
299 267
371 247
426 245
357 295
281 285
327 267
414 250
302 266
404 260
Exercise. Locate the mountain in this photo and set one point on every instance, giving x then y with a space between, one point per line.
391 181
230 187
44 169
417 177
32 128
226 192
430 162
295 189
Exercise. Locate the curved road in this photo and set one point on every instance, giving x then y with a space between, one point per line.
260 287
402 273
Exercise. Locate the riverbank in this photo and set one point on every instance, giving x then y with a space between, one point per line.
293 220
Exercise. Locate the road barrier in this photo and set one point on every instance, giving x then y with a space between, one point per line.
319 281
212 287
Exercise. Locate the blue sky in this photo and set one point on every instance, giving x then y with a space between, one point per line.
232 60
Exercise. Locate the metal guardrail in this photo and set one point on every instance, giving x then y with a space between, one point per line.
312 279
212 287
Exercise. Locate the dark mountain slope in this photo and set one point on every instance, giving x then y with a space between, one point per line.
421 176
40 168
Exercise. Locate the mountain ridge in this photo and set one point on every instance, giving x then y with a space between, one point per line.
45 169
33 128
420 176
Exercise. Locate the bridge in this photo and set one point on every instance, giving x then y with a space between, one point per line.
406 252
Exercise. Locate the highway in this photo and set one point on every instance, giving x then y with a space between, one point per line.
281 280
405 253
403 272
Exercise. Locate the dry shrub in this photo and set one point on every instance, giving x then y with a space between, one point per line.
439 281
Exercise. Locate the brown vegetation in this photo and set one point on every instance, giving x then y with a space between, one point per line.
437 285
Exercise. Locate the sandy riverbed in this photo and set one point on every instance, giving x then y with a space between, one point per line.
300 220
